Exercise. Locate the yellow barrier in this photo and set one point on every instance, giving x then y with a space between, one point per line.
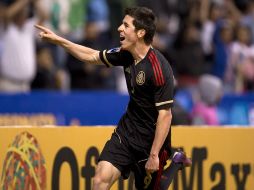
64 158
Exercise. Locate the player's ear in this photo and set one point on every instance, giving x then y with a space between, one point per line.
141 33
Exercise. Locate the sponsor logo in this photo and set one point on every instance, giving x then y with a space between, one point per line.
24 165
114 50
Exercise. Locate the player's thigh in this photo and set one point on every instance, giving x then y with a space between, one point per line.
107 172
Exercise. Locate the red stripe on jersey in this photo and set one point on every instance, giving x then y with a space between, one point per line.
159 70
159 67
155 70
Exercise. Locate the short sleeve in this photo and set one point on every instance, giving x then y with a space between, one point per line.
116 57
163 80
164 95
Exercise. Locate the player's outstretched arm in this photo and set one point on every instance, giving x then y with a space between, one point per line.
82 53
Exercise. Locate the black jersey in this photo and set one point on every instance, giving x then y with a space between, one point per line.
150 86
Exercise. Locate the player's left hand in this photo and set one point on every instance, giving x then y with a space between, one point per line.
152 164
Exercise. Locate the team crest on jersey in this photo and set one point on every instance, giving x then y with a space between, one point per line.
114 50
140 78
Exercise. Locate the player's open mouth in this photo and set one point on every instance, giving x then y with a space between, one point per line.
122 38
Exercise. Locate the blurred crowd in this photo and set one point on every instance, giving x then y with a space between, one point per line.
209 44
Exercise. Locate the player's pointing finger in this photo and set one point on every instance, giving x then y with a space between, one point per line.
41 28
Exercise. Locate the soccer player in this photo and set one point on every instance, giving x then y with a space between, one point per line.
139 141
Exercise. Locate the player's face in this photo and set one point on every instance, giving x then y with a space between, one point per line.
128 35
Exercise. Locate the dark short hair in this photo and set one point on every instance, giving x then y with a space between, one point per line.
144 18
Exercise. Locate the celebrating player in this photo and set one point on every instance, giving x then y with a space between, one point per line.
139 141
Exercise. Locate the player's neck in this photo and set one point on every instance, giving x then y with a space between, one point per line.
140 52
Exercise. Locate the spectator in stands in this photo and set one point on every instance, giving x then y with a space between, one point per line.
248 17
67 19
58 12
223 38
205 108
87 76
44 78
95 35
17 64
188 57
48 76
211 13
240 69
